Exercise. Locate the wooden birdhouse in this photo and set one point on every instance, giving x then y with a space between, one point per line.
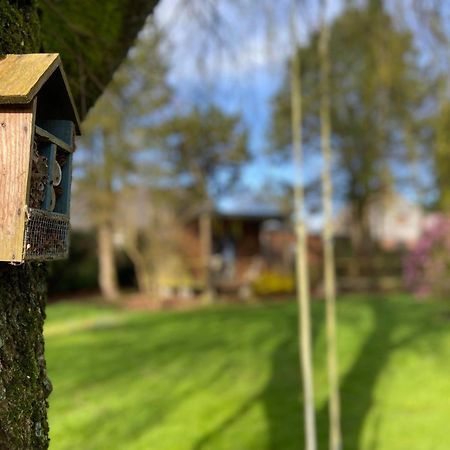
38 124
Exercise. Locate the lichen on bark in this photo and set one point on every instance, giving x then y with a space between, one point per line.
24 385
19 27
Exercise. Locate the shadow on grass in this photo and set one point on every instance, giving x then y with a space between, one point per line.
281 398
358 386
144 368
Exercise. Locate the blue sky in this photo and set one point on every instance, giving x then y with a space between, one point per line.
241 74
241 69
245 69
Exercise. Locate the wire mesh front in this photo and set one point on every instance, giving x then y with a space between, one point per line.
46 236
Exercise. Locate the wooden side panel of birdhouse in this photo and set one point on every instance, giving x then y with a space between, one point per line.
16 138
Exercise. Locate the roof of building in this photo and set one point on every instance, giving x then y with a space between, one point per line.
251 211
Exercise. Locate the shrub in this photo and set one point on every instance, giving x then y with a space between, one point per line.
80 271
427 265
271 283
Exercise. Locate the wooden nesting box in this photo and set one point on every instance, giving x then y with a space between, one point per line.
38 124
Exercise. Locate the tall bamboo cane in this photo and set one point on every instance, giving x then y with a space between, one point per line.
327 237
303 297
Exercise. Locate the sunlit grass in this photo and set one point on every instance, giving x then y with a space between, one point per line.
227 377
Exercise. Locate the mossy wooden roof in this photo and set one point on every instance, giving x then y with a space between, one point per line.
23 77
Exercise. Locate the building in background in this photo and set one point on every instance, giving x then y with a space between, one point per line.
245 243
394 221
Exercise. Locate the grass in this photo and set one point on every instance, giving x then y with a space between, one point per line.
227 377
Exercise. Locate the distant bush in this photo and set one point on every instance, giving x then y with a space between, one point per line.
80 271
427 265
270 283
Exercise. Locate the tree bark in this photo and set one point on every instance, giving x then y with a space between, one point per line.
361 239
107 276
205 226
327 236
144 279
24 386
303 288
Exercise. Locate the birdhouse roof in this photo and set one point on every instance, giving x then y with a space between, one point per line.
23 77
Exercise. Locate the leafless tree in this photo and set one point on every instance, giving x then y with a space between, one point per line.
303 288
327 232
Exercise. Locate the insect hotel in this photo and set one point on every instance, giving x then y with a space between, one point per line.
38 124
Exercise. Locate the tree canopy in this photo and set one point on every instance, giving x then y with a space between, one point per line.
92 37
376 99
206 149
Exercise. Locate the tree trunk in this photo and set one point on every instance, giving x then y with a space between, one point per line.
206 251
327 236
303 289
144 279
361 239
145 282
24 386
107 277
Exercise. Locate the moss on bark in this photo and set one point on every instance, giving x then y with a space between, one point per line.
24 385
19 27
93 38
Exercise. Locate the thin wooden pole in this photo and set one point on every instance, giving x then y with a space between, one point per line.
327 234
303 295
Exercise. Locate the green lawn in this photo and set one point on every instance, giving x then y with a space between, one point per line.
227 377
